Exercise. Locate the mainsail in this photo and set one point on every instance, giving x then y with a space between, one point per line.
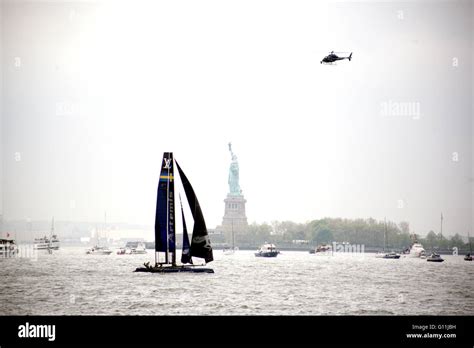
200 242
165 218
186 254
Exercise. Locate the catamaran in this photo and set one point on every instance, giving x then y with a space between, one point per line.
165 236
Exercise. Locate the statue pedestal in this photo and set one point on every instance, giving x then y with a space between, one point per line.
234 216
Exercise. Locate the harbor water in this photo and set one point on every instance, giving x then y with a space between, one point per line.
69 282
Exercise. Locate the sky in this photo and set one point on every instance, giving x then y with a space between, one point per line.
93 93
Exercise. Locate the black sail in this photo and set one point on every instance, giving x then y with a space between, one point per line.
200 242
186 254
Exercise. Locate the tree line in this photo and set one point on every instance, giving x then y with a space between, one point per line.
368 232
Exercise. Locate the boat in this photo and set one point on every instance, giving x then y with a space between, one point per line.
231 250
267 250
383 254
124 251
8 247
165 236
99 250
434 257
132 248
323 248
389 255
468 256
139 249
47 243
416 250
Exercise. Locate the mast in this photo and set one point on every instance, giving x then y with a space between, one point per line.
233 239
51 234
469 240
164 218
441 229
167 218
385 234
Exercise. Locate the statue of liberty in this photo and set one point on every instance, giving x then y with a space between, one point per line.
234 187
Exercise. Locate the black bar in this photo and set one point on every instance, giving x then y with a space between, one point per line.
259 330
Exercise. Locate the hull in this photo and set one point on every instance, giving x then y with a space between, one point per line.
267 254
387 256
434 260
7 253
391 257
417 250
130 252
230 251
175 269
8 248
99 252
44 246
468 258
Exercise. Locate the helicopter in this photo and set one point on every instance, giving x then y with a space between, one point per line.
332 57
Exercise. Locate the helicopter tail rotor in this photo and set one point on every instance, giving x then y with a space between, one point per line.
350 57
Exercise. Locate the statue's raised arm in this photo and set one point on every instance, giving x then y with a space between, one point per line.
234 187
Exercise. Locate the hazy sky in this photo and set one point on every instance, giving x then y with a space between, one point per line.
95 92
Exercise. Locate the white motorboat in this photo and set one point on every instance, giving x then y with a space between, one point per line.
132 248
99 250
267 250
434 257
417 250
321 249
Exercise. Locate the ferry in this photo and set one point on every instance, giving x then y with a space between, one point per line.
46 243
8 248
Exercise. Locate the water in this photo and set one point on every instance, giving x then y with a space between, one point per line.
69 282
